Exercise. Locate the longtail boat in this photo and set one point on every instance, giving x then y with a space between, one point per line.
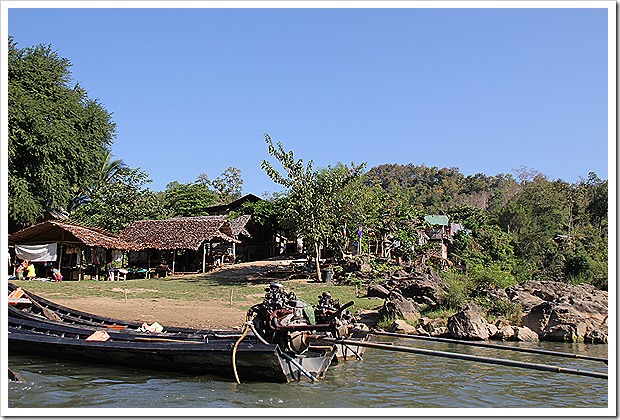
273 346
255 361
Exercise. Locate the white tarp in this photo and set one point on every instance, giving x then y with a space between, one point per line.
37 253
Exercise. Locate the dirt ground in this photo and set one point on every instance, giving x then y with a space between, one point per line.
217 314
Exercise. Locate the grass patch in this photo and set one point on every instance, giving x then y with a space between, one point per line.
191 288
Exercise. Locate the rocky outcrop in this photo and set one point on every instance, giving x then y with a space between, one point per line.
376 290
468 324
402 327
563 312
423 286
396 306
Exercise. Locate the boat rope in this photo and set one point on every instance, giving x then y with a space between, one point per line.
299 366
234 351
491 345
260 338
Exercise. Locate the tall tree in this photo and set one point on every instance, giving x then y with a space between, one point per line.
121 201
228 185
312 195
58 136
189 199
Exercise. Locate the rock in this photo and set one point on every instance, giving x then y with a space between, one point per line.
586 301
423 286
399 274
505 333
421 331
469 324
524 334
501 322
368 317
398 307
440 332
556 322
429 324
402 327
560 311
365 267
492 330
594 335
376 290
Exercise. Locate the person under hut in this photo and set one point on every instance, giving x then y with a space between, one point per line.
21 269
31 273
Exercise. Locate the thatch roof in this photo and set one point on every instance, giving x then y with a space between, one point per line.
179 232
237 225
68 233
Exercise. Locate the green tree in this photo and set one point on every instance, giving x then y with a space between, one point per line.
228 185
58 137
313 195
121 201
188 199
104 176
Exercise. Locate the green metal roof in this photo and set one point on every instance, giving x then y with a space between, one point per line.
437 220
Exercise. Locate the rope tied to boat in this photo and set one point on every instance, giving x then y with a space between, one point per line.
246 328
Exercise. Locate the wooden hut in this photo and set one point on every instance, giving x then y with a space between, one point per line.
80 249
186 233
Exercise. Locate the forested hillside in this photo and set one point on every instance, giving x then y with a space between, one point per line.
530 227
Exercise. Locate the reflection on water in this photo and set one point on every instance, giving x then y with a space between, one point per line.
383 379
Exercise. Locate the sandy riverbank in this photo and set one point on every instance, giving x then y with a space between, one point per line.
196 314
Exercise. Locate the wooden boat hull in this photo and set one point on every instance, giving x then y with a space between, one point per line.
74 316
255 361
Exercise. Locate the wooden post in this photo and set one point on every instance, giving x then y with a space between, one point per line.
234 252
59 256
204 257
231 296
174 254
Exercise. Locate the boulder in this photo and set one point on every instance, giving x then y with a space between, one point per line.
469 324
398 307
594 335
556 322
492 330
402 327
423 286
560 311
505 333
586 301
376 290
524 334
440 332
368 317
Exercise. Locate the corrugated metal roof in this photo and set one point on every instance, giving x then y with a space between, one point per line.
435 219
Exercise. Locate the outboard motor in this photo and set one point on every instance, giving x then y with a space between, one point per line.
330 311
282 318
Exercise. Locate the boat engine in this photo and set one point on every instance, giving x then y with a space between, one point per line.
284 319
330 311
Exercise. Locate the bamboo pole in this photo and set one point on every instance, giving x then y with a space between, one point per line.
492 345
460 356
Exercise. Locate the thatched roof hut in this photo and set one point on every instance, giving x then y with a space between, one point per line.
179 232
69 234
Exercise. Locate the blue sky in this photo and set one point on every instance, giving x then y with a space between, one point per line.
485 90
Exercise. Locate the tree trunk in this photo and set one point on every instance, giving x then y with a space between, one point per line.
317 250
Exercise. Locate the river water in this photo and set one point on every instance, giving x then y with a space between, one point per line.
382 380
